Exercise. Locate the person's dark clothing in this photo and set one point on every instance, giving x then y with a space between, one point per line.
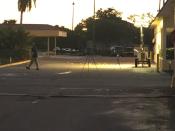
34 56
34 52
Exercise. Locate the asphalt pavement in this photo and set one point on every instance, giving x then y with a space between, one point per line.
85 93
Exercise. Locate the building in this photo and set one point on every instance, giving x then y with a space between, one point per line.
40 30
163 25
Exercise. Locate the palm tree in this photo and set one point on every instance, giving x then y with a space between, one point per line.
23 5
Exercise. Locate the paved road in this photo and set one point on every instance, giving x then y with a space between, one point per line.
72 94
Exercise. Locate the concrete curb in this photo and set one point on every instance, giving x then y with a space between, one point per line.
14 64
91 96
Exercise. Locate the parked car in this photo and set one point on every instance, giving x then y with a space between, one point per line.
66 49
75 50
56 49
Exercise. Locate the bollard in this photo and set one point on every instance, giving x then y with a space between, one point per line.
149 62
158 63
136 62
10 59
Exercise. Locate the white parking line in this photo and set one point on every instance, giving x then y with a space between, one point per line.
64 73
76 88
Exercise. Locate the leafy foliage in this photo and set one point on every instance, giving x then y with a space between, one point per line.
14 42
143 19
110 13
23 5
9 22
108 27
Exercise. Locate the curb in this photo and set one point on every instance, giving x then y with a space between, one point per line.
14 64
90 96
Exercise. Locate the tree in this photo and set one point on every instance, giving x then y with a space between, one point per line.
143 21
132 18
9 22
109 27
14 42
14 38
110 13
23 5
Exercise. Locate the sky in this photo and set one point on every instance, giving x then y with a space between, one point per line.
59 12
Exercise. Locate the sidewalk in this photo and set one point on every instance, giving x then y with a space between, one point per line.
60 97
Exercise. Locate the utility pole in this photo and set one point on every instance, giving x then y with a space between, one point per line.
93 35
73 16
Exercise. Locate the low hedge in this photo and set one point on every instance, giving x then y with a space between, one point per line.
14 55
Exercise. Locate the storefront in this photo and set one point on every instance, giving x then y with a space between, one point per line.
163 25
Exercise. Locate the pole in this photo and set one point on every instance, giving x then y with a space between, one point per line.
55 45
173 76
93 35
141 37
73 16
158 63
48 46
94 9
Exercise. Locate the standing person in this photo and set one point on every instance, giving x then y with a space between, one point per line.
34 57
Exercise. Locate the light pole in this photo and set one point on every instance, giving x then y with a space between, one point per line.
73 16
94 9
141 37
140 22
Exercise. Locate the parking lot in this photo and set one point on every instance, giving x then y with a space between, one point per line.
80 93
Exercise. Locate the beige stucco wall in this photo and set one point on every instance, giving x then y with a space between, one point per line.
158 39
47 33
164 24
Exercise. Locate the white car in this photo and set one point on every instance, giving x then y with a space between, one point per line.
56 49
67 49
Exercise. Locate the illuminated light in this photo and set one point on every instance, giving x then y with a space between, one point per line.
113 66
84 29
103 66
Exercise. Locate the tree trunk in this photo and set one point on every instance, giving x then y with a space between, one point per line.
21 17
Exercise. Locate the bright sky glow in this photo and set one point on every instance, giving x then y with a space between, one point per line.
59 12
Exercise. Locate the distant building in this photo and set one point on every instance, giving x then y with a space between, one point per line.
40 30
163 24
